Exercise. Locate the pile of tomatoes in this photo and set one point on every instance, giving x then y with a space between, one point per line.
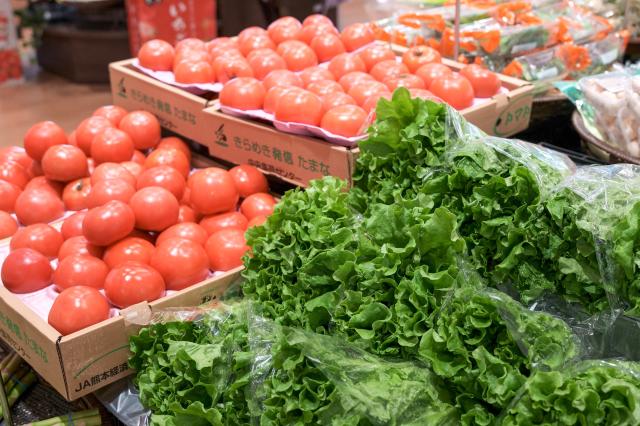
113 215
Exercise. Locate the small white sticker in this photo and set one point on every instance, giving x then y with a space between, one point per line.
524 47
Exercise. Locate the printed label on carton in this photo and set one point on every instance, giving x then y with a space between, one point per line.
515 117
19 339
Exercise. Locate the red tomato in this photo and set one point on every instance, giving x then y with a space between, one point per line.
371 102
77 308
64 163
316 73
229 67
255 42
38 206
257 221
80 269
344 120
417 56
299 106
212 191
387 69
175 143
72 226
250 32
248 180
189 72
40 237
273 96
78 245
309 32
133 283
72 137
297 55
14 173
327 46
361 91
36 169
143 128
16 154
139 157
108 171
375 53
263 61
165 177
346 63
284 78
243 93
316 19
156 55
218 45
129 249
430 72
283 29
190 43
225 249
192 56
109 223
155 208
186 231
485 83
8 225
424 94
335 99
186 214
455 90
324 87
348 80
42 136
410 81
91 165
88 129
134 168
108 190
168 157
181 262
215 223
259 204
8 195
25 271
113 113
42 182
357 35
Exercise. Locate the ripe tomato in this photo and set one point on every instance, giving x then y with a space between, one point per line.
361 91
8 195
72 226
109 223
324 87
250 32
25 271
77 308
259 204
316 73
309 32
417 56
263 61
273 96
176 143
186 214
348 80
143 128
357 35
346 63
8 225
107 171
113 113
108 190
371 102
190 43
189 72
64 163
299 106
218 222
297 55
257 221
88 129
42 182
41 136
155 208
80 269
344 120
212 191
283 29
255 42
156 55
284 78
387 69
430 72
181 262
72 138
248 180
134 168
168 157
16 154
375 53
316 19
14 173
335 99
40 237
410 81
485 83
243 93
186 231
38 206
165 177
327 46
454 90
78 245
192 56
35 170
225 249
133 283
129 249
218 45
